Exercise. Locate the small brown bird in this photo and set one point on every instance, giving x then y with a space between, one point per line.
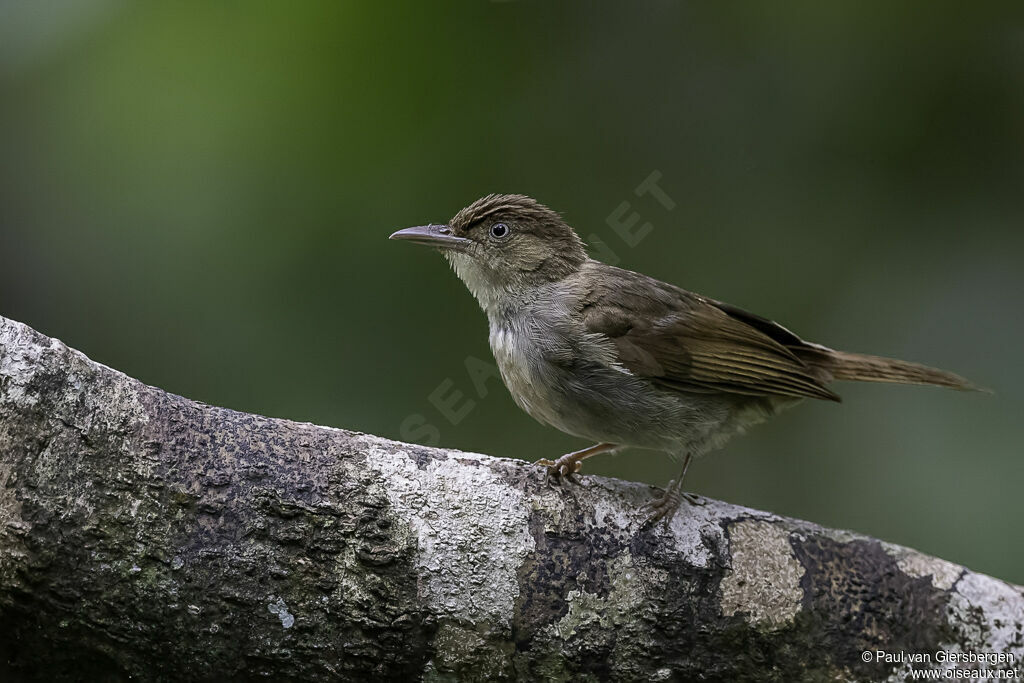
623 359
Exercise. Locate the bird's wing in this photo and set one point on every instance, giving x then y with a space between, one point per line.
688 343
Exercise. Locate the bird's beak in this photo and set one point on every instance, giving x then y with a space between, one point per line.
433 236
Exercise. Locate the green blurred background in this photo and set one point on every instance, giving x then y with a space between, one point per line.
199 194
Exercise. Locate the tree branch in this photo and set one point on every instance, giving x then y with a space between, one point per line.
146 535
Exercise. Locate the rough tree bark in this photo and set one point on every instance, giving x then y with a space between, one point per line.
145 535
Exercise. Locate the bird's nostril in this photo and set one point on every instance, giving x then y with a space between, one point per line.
445 230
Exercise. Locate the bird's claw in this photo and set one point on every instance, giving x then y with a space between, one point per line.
694 499
665 506
563 469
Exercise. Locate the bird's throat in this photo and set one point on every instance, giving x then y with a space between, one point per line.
493 291
481 284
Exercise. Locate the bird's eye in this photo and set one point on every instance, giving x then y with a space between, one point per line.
500 231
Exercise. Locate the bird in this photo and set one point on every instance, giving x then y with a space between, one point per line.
625 360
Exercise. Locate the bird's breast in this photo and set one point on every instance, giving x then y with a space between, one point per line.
559 377
529 365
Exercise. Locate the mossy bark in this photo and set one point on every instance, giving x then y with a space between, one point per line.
147 536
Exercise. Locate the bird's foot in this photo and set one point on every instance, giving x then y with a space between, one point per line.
665 506
563 469
694 499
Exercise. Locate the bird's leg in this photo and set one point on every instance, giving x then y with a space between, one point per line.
665 507
569 464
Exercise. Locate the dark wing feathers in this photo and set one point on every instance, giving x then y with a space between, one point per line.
769 327
685 342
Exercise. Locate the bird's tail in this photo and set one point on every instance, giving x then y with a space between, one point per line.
863 368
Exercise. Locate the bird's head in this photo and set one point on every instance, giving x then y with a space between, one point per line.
504 244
